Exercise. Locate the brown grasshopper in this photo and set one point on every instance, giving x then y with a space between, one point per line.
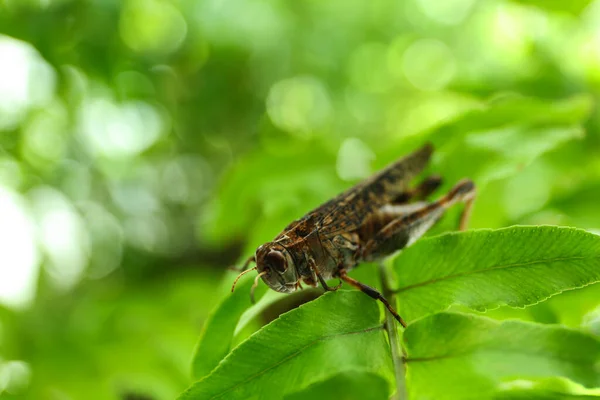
368 222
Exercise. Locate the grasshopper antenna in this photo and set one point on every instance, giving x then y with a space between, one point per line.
239 276
255 285
245 266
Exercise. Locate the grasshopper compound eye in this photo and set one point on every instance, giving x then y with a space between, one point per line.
277 268
275 261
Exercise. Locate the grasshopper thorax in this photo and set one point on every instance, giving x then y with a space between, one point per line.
276 267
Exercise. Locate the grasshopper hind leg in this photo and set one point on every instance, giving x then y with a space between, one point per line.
373 293
420 192
412 224
465 192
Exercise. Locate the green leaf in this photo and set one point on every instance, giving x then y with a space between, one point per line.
217 333
482 269
518 111
460 356
336 333
351 385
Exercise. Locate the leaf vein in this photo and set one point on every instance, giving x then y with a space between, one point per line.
504 266
294 354
576 361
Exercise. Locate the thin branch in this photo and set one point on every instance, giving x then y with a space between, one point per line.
392 329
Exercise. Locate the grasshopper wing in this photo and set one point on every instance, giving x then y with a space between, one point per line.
348 211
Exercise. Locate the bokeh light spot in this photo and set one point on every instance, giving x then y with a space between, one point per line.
429 64
11 173
510 39
152 26
449 12
124 130
248 23
26 80
14 376
354 160
299 105
106 240
62 235
175 182
76 182
149 233
44 134
135 197
395 57
18 252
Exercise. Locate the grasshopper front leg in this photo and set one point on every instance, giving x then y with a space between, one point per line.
324 284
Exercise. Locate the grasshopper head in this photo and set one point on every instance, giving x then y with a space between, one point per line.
276 268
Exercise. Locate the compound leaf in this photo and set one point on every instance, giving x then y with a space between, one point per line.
335 333
482 269
460 356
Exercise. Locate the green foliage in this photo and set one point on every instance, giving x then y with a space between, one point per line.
456 356
505 136
448 355
147 145
482 269
276 360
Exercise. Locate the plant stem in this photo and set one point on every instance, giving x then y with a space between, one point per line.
392 329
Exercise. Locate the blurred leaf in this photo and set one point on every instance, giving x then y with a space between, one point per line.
351 385
515 266
263 186
581 206
502 138
574 7
513 109
459 356
306 345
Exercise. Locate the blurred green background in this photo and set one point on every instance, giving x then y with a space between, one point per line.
146 145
